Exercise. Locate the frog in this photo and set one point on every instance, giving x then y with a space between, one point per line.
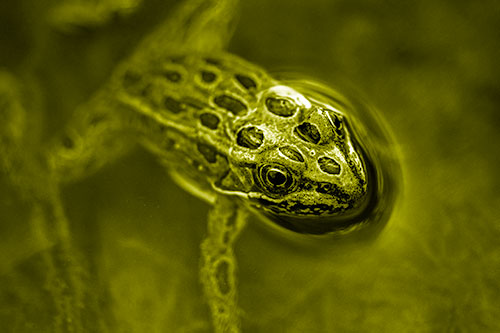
310 163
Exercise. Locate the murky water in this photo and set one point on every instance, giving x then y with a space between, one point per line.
430 67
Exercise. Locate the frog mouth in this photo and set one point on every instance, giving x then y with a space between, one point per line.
316 219
285 207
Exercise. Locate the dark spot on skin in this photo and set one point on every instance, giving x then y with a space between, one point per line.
308 132
212 61
67 142
317 209
208 77
292 153
96 119
250 137
168 143
209 120
231 221
131 78
172 76
246 81
324 188
230 103
334 190
193 102
196 164
225 238
329 165
307 186
177 59
208 152
173 105
281 106
223 276
146 91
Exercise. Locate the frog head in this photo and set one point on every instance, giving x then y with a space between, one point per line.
300 164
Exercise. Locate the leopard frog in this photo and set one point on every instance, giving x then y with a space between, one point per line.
299 155
225 127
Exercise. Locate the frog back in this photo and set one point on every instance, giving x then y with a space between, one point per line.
185 107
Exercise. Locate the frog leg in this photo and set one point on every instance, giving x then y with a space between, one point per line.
195 26
18 139
98 133
12 125
218 263
72 15
95 135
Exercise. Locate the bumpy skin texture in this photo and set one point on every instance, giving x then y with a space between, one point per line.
228 128
224 126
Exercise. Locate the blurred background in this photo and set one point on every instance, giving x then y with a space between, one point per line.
430 67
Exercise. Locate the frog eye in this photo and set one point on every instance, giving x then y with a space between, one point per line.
281 106
275 179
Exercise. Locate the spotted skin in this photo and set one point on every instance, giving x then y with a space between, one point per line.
293 156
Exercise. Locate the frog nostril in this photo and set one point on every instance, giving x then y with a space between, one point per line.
329 165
